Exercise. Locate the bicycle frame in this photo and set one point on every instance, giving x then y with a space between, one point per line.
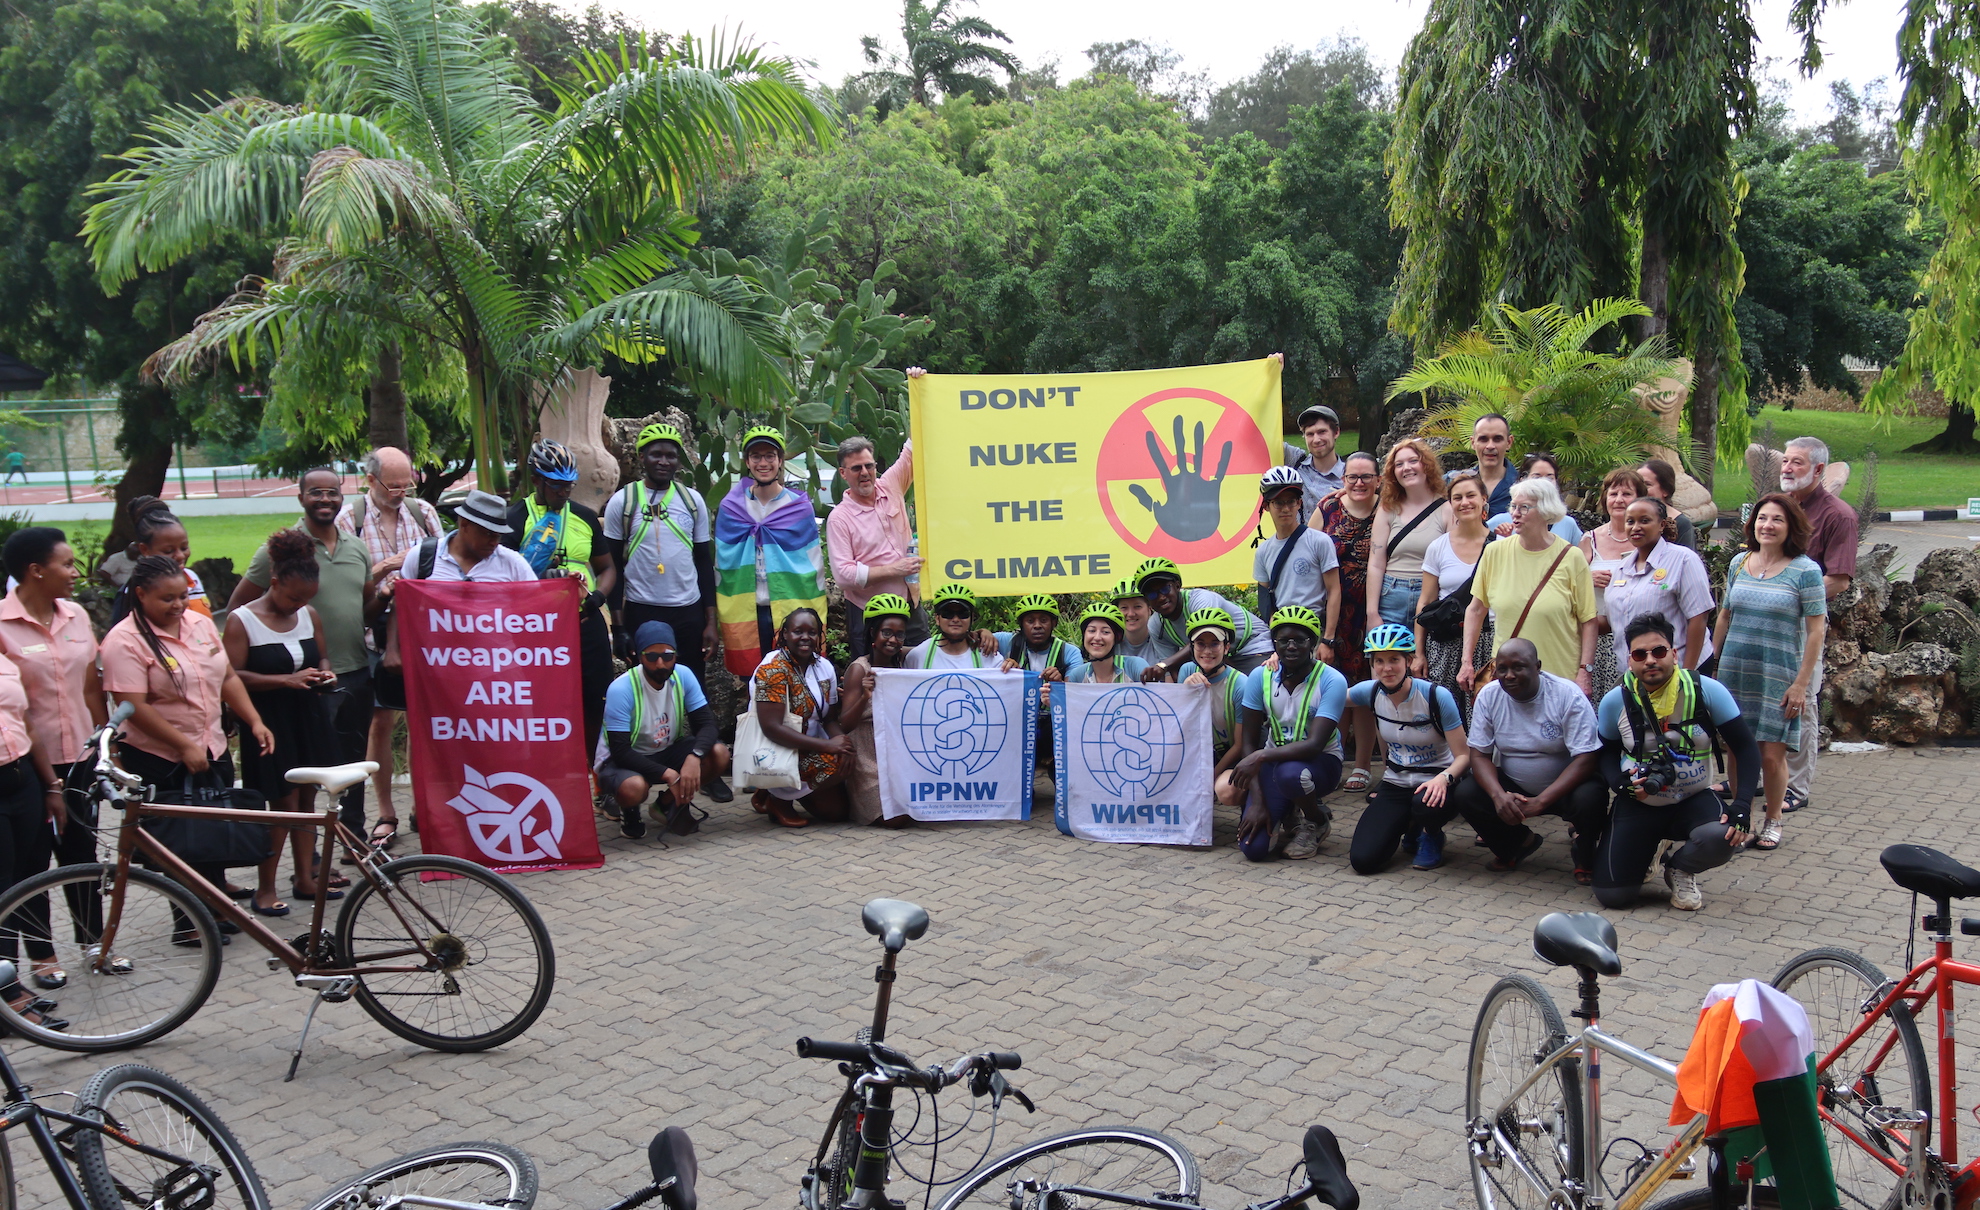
1589 1044
19 1110
1931 980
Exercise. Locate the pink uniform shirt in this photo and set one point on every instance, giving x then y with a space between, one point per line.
14 740
194 710
54 663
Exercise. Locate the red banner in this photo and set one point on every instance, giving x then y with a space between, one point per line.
494 710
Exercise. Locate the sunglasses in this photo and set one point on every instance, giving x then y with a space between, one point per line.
1640 654
658 657
952 612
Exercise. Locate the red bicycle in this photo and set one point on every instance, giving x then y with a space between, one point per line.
1874 1087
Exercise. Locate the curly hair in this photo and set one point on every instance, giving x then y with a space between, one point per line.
292 556
1433 473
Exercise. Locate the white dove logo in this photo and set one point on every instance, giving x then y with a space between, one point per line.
510 833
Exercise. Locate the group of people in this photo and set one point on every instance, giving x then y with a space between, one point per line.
1506 664
1460 628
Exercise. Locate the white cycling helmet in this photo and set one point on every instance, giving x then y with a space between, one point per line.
1279 478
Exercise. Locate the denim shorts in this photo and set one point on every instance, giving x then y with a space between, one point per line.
1399 597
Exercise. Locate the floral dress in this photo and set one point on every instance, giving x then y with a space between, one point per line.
805 697
1351 541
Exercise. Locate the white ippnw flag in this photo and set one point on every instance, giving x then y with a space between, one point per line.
955 743
1133 763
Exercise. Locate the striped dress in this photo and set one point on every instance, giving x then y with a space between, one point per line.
1764 640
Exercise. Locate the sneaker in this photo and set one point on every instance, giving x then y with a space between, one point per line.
718 790
1429 850
1685 895
1325 825
1305 841
1043 789
631 826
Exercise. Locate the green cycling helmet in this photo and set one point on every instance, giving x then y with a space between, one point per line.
1390 637
1210 618
1037 602
952 592
762 432
1157 567
888 605
1126 590
1298 615
1104 611
660 432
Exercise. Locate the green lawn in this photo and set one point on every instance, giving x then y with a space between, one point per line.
233 537
1903 480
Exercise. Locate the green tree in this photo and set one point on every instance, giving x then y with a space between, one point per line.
1555 151
1537 369
946 52
428 206
1939 61
1263 102
78 81
1831 266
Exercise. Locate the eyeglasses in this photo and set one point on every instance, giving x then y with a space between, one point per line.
659 657
1639 654
1520 508
1362 478
324 493
860 468
396 489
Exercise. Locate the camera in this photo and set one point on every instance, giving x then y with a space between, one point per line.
1659 769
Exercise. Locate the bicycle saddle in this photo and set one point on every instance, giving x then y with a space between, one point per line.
672 1155
333 778
1929 872
895 921
1580 939
1327 1171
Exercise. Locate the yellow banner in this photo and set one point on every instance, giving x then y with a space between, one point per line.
1066 482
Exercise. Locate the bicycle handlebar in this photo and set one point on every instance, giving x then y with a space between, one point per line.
845 1052
884 1070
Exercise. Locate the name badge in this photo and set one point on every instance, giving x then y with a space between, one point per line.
34 647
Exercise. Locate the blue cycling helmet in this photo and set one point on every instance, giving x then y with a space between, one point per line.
1390 637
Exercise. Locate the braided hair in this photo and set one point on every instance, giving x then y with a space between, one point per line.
149 570
1670 524
149 514
292 556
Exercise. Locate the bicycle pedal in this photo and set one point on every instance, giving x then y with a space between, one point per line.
896 1204
334 988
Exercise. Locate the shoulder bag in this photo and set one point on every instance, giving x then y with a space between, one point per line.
220 842
1444 620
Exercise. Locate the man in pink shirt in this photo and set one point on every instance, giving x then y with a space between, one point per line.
868 538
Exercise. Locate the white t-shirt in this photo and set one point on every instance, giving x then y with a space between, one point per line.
1441 561
929 654
1303 582
1531 742
659 544
502 566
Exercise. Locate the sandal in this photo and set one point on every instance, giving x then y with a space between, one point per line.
52 978
1795 802
238 892
383 843
1584 876
277 908
1768 838
1356 782
296 891
760 802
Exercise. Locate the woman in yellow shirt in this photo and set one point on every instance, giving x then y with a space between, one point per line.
1536 587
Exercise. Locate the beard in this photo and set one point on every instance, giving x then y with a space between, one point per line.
1791 484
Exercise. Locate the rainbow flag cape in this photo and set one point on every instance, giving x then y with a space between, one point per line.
1751 1063
789 539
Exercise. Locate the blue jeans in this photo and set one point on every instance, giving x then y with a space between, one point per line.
1399 598
1284 783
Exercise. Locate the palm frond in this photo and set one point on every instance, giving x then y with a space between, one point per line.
727 334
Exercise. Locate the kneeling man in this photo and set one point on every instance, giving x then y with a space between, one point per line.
1534 752
659 733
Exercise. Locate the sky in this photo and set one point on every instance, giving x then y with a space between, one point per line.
1859 36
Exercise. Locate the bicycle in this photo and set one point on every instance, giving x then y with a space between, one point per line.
492 1176
170 1150
440 951
1533 1097
1873 1086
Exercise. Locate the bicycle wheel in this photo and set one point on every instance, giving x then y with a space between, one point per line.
488 1173
161 984
1538 1137
1701 1199
496 966
210 1169
1119 1158
1885 1069
831 1181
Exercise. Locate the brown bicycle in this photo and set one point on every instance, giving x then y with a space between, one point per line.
440 951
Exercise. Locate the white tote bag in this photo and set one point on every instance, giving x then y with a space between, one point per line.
759 763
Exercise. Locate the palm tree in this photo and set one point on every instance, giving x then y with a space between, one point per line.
942 45
427 206
1535 368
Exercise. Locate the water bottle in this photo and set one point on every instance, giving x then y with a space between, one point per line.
914 577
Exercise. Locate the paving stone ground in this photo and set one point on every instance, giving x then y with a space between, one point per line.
1186 991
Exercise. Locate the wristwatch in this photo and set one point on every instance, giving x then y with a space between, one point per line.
1589 669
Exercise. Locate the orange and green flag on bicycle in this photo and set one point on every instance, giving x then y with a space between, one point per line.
1752 1063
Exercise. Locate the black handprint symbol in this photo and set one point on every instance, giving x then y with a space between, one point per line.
1194 505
